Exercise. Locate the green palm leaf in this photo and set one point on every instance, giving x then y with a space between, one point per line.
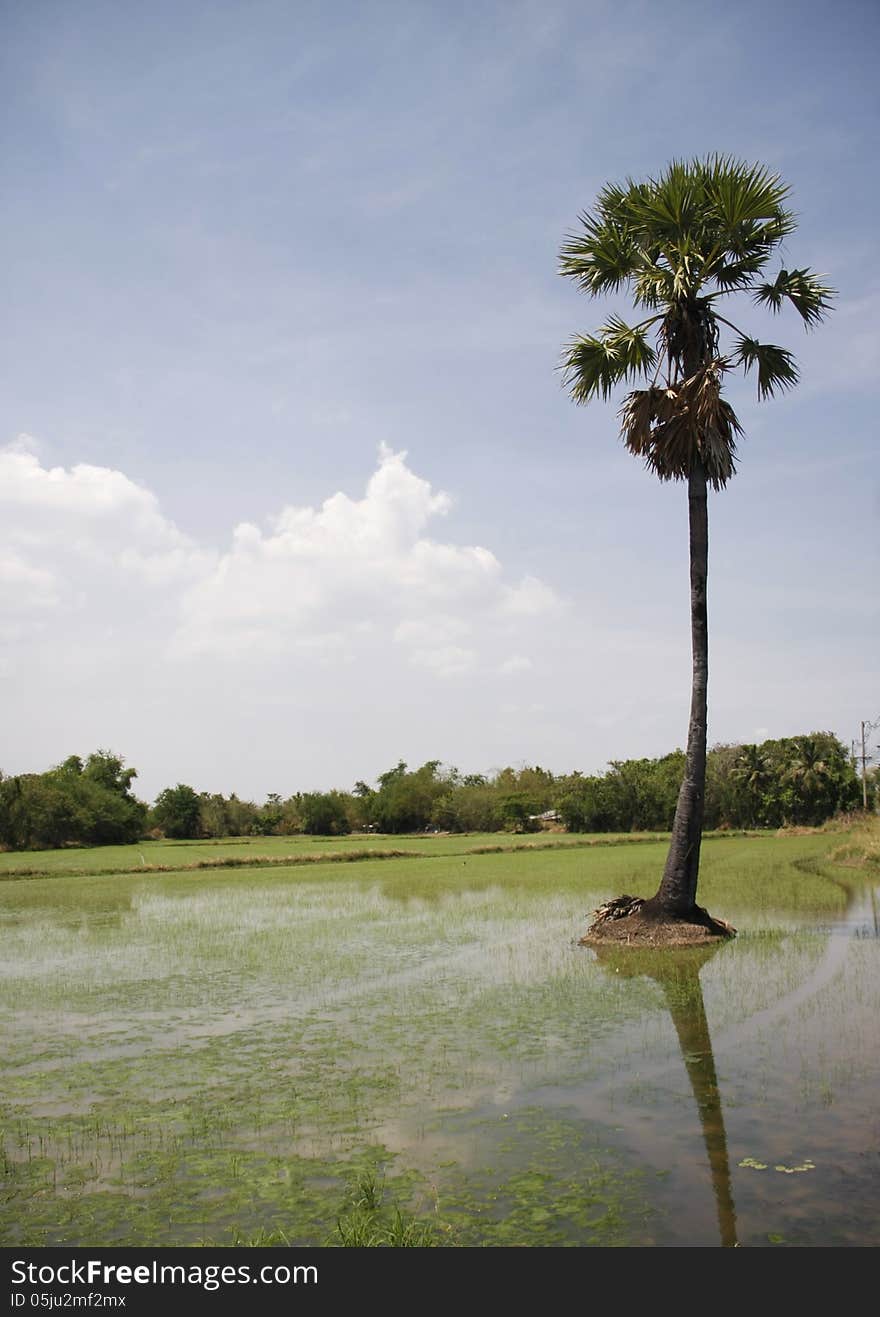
776 367
810 298
743 193
594 364
601 258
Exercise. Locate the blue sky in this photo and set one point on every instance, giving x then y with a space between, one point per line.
290 486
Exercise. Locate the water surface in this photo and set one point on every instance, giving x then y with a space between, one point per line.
186 1057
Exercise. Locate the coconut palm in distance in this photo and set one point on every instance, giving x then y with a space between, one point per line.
680 244
754 773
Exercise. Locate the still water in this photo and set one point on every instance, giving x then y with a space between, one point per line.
191 1061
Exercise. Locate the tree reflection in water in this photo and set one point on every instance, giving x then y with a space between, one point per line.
678 974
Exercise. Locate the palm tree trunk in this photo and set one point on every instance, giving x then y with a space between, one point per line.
677 892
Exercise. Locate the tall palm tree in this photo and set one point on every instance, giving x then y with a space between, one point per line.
700 232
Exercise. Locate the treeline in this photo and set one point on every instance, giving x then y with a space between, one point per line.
89 803
431 797
798 780
802 780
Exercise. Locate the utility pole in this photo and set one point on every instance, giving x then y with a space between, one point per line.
866 727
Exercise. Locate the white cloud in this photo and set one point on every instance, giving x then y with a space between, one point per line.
289 658
54 521
445 661
359 562
516 663
25 586
531 598
321 645
430 632
352 580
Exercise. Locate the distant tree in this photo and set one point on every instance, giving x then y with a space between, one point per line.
535 785
77 804
803 780
818 779
471 805
754 774
393 775
35 813
519 814
241 815
108 771
291 817
177 811
723 795
362 798
213 819
269 818
324 813
405 801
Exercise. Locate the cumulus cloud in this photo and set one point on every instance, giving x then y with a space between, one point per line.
319 645
350 577
58 524
367 563
530 598
23 586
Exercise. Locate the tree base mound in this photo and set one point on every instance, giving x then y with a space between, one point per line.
630 921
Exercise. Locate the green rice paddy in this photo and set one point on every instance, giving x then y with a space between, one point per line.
231 1054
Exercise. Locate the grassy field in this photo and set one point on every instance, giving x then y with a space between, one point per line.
253 852
243 852
226 1054
746 867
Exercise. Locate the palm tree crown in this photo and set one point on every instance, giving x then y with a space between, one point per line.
680 243
809 766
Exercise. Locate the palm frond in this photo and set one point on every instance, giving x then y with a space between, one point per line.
734 272
653 283
671 427
631 343
776 366
742 194
601 258
810 298
594 364
716 423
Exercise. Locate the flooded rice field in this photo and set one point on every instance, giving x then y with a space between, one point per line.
211 1057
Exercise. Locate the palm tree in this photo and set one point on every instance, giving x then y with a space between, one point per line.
754 772
808 771
680 243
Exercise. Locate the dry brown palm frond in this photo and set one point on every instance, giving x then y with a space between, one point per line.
619 907
670 426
